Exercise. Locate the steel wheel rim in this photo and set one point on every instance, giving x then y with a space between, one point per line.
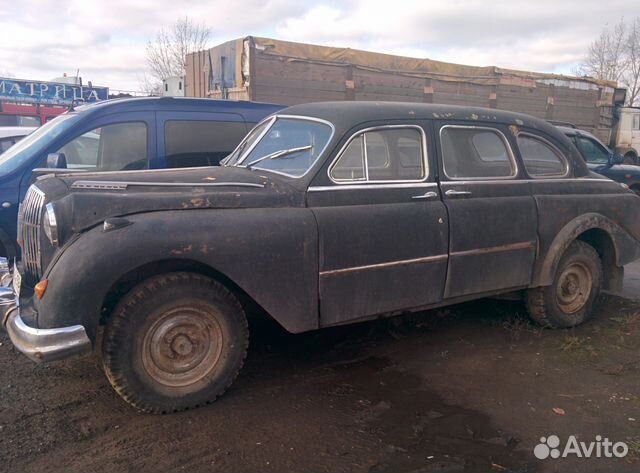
182 347
574 288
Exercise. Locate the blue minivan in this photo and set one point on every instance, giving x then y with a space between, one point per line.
121 135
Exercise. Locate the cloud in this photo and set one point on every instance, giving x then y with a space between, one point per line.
106 40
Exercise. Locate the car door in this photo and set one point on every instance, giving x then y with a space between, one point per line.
492 216
382 226
190 139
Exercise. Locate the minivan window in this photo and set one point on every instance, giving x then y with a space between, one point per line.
116 147
190 143
475 153
36 142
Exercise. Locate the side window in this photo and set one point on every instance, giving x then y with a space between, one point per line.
190 143
475 153
541 159
591 151
117 147
636 121
386 154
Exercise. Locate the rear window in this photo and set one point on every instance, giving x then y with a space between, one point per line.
191 143
540 158
19 120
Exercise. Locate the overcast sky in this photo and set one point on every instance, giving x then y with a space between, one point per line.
106 40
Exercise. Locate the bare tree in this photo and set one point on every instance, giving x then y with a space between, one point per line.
166 55
632 75
606 59
149 85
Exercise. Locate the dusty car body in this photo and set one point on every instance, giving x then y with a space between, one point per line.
325 214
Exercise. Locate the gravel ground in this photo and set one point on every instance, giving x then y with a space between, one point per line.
468 388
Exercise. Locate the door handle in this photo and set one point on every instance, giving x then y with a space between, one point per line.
427 195
453 192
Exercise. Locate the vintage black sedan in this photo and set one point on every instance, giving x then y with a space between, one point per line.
326 214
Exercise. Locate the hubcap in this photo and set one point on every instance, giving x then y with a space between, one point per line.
574 288
182 347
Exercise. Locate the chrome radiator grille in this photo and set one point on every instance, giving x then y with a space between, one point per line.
30 220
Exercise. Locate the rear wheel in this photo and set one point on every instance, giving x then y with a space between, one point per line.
174 342
569 300
630 158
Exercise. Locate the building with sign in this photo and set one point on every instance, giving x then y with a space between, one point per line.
31 103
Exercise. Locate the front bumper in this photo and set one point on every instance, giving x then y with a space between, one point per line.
37 344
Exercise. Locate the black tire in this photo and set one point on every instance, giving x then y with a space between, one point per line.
569 300
630 158
174 342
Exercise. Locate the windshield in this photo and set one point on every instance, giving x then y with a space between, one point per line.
247 143
34 143
284 145
592 151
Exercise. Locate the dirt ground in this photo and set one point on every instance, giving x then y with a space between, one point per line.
470 388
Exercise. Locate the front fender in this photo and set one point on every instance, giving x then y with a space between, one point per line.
271 254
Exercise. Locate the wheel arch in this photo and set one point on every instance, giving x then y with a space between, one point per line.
144 271
614 246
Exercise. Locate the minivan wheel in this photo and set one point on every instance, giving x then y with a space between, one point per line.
174 342
569 300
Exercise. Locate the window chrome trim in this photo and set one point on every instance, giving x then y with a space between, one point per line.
387 185
404 262
497 131
554 148
247 152
366 181
274 119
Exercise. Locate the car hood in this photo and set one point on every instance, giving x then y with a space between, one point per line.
86 199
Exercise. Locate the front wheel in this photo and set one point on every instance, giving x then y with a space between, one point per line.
569 300
174 342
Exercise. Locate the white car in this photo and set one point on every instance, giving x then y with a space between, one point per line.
10 135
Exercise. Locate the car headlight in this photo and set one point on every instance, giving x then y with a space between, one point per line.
50 224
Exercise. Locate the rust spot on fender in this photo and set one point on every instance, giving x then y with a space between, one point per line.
182 251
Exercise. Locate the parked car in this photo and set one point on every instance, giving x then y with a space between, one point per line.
124 134
601 159
326 214
10 135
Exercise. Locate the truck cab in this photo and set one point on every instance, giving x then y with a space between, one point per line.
123 135
626 138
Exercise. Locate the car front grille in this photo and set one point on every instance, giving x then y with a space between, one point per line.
29 232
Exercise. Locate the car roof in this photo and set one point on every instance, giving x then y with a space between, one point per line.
9 131
570 131
347 114
131 104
